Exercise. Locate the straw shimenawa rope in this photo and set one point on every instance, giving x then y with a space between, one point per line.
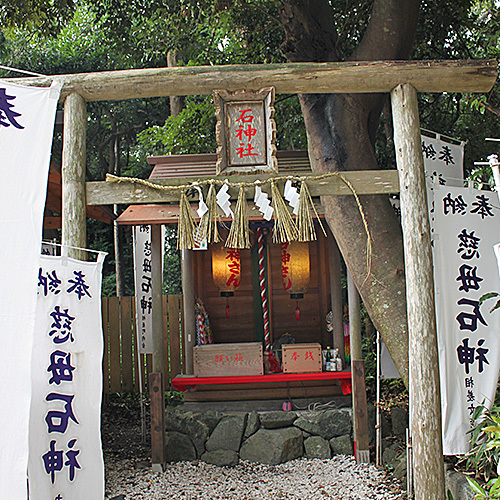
305 223
187 226
208 225
239 234
284 231
284 226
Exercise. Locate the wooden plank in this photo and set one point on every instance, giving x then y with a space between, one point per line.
425 399
52 222
157 395
245 394
324 285
188 300
212 360
336 295
74 210
149 369
354 318
105 357
165 341
302 358
135 348
126 193
268 385
290 78
114 344
360 409
182 332
156 292
174 336
127 339
144 374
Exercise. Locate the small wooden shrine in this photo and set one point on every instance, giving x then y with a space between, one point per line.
236 313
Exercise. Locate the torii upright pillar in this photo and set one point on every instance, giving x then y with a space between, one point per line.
425 400
74 211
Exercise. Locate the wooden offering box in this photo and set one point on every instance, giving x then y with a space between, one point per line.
302 358
218 360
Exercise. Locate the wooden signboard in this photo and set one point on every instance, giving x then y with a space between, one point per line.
302 358
245 131
215 360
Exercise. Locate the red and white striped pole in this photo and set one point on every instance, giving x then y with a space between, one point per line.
263 293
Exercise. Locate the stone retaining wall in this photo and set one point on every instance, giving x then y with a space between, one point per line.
273 437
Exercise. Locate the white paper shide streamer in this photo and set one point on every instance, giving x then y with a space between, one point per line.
292 196
223 200
262 202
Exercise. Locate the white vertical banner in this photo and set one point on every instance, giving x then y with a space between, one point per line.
143 287
468 341
27 117
65 460
443 165
443 160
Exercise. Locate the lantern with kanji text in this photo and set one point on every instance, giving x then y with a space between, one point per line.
226 271
295 270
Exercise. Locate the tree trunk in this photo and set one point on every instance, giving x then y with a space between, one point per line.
341 130
338 140
177 102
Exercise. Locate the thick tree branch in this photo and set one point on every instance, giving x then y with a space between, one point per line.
310 31
391 31
493 109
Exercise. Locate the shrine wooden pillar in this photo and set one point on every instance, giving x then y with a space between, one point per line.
74 210
359 403
188 299
336 294
424 388
157 377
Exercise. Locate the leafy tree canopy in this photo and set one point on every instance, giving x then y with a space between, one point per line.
46 16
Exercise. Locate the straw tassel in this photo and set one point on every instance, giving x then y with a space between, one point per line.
285 229
239 234
208 225
305 221
185 236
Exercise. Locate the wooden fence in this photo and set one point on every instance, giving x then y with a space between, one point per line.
120 361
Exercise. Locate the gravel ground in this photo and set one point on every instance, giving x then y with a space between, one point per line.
129 475
339 478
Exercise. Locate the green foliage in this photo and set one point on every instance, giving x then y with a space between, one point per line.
47 16
490 295
192 131
174 398
100 35
485 444
172 283
490 490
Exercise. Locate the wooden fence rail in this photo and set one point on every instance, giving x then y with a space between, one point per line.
120 362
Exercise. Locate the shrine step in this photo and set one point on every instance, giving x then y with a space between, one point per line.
268 404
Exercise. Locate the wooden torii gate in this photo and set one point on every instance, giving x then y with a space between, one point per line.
403 80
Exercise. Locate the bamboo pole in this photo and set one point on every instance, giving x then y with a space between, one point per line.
424 388
308 78
74 211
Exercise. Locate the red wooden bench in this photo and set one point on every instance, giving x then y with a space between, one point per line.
183 382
